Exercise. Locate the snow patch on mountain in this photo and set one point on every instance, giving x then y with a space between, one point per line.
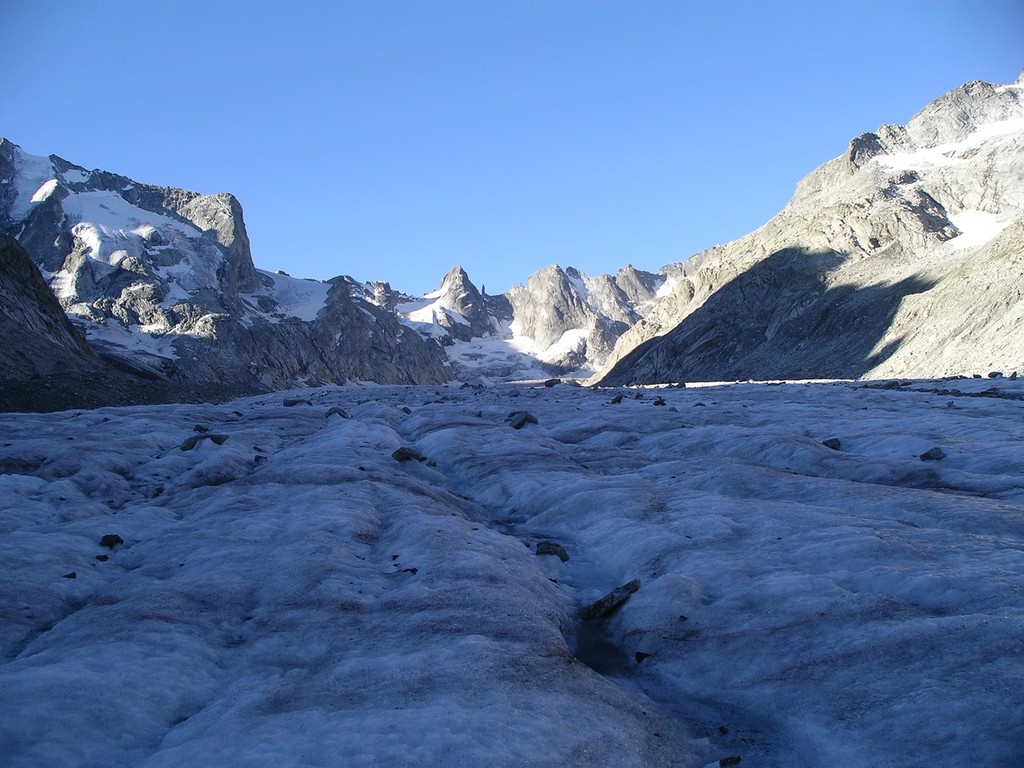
500 356
953 152
430 316
44 191
977 228
153 340
34 182
291 297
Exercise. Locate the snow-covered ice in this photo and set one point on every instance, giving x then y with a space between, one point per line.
955 152
32 183
977 228
294 596
425 315
501 355
150 342
295 297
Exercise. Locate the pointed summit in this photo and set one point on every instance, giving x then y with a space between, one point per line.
457 309
458 293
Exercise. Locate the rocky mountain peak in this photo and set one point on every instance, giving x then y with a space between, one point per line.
456 311
638 286
456 275
886 261
955 115
458 291
458 294
573 320
164 277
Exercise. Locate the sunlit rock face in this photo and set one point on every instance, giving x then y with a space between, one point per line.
900 258
550 309
164 278
574 319
559 321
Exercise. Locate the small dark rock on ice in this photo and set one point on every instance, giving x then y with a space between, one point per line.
110 540
552 548
408 454
519 419
608 604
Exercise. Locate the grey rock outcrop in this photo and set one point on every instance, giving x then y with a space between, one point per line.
902 257
610 603
35 334
574 320
46 364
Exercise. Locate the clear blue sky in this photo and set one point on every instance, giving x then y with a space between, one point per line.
394 140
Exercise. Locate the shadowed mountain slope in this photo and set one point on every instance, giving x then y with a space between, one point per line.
929 219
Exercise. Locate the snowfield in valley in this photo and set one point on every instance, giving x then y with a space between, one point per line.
278 589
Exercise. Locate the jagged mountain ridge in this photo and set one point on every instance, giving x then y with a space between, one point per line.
560 321
912 224
902 257
164 278
456 311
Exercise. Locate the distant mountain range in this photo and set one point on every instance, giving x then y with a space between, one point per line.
902 257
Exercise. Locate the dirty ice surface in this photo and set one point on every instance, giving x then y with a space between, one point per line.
284 592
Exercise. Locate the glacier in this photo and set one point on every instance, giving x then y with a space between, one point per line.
264 582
